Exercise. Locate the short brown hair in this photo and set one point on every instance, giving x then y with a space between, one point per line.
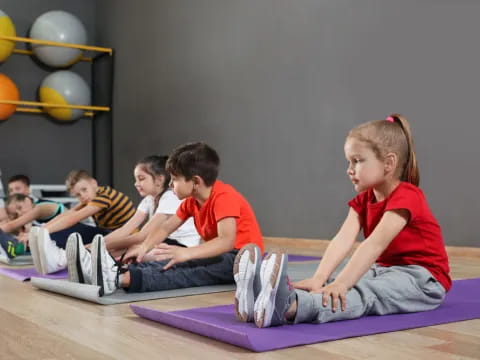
75 176
194 159
20 177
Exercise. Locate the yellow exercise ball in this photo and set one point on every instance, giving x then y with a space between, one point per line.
8 91
65 88
6 29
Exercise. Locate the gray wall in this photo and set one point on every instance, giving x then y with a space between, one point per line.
34 144
275 85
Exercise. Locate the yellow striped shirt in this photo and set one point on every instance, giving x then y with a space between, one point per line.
116 207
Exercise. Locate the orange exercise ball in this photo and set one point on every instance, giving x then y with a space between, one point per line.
8 91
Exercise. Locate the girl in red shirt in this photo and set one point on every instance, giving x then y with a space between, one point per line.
400 267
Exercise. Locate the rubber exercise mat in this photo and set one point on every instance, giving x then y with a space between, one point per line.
297 271
25 274
220 323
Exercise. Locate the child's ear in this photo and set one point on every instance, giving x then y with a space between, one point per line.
391 161
197 180
160 179
94 182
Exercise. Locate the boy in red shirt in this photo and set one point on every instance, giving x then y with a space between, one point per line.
223 218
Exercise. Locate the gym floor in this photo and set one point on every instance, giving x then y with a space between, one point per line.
44 325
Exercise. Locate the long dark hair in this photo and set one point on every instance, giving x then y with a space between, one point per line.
154 165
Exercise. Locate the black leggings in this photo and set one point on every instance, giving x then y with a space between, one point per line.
87 233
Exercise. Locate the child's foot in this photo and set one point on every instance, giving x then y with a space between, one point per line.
52 258
33 245
79 260
246 272
105 271
277 293
8 246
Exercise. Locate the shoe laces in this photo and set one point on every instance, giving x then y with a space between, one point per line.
121 268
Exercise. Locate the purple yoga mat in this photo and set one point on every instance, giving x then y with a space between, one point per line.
219 322
302 258
26 273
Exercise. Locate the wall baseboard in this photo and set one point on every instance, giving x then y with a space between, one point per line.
321 245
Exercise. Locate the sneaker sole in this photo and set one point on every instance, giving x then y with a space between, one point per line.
33 244
265 304
244 269
73 261
97 276
41 253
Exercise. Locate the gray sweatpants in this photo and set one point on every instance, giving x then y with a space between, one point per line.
382 290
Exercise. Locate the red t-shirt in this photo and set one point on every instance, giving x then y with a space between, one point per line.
224 201
419 243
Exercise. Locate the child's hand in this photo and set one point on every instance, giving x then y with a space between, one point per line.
175 254
337 291
135 254
311 284
23 238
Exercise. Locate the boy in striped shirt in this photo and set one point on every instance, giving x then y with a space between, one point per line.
109 208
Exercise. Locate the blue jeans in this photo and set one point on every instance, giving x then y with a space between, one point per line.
87 233
200 272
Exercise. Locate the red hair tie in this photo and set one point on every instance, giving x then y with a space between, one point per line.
390 118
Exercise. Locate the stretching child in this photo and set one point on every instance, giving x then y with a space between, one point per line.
22 211
109 208
223 218
400 267
159 203
17 184
14 244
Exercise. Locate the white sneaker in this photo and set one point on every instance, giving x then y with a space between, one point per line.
79 260
33 245
246 272
51 257
3 255
105 271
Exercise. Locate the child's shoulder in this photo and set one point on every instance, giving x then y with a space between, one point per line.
221 189
406 188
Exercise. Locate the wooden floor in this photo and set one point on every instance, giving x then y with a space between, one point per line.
40 325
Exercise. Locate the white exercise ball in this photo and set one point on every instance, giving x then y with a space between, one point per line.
58 26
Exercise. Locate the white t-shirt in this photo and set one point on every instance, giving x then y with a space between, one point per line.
168 204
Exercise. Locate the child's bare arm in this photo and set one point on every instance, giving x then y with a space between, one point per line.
224 242
72 218
118 238
339 247
66 213
3 215
16 224
390 225
155 237
125 242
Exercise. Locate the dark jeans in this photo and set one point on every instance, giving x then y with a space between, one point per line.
86 231
201 272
